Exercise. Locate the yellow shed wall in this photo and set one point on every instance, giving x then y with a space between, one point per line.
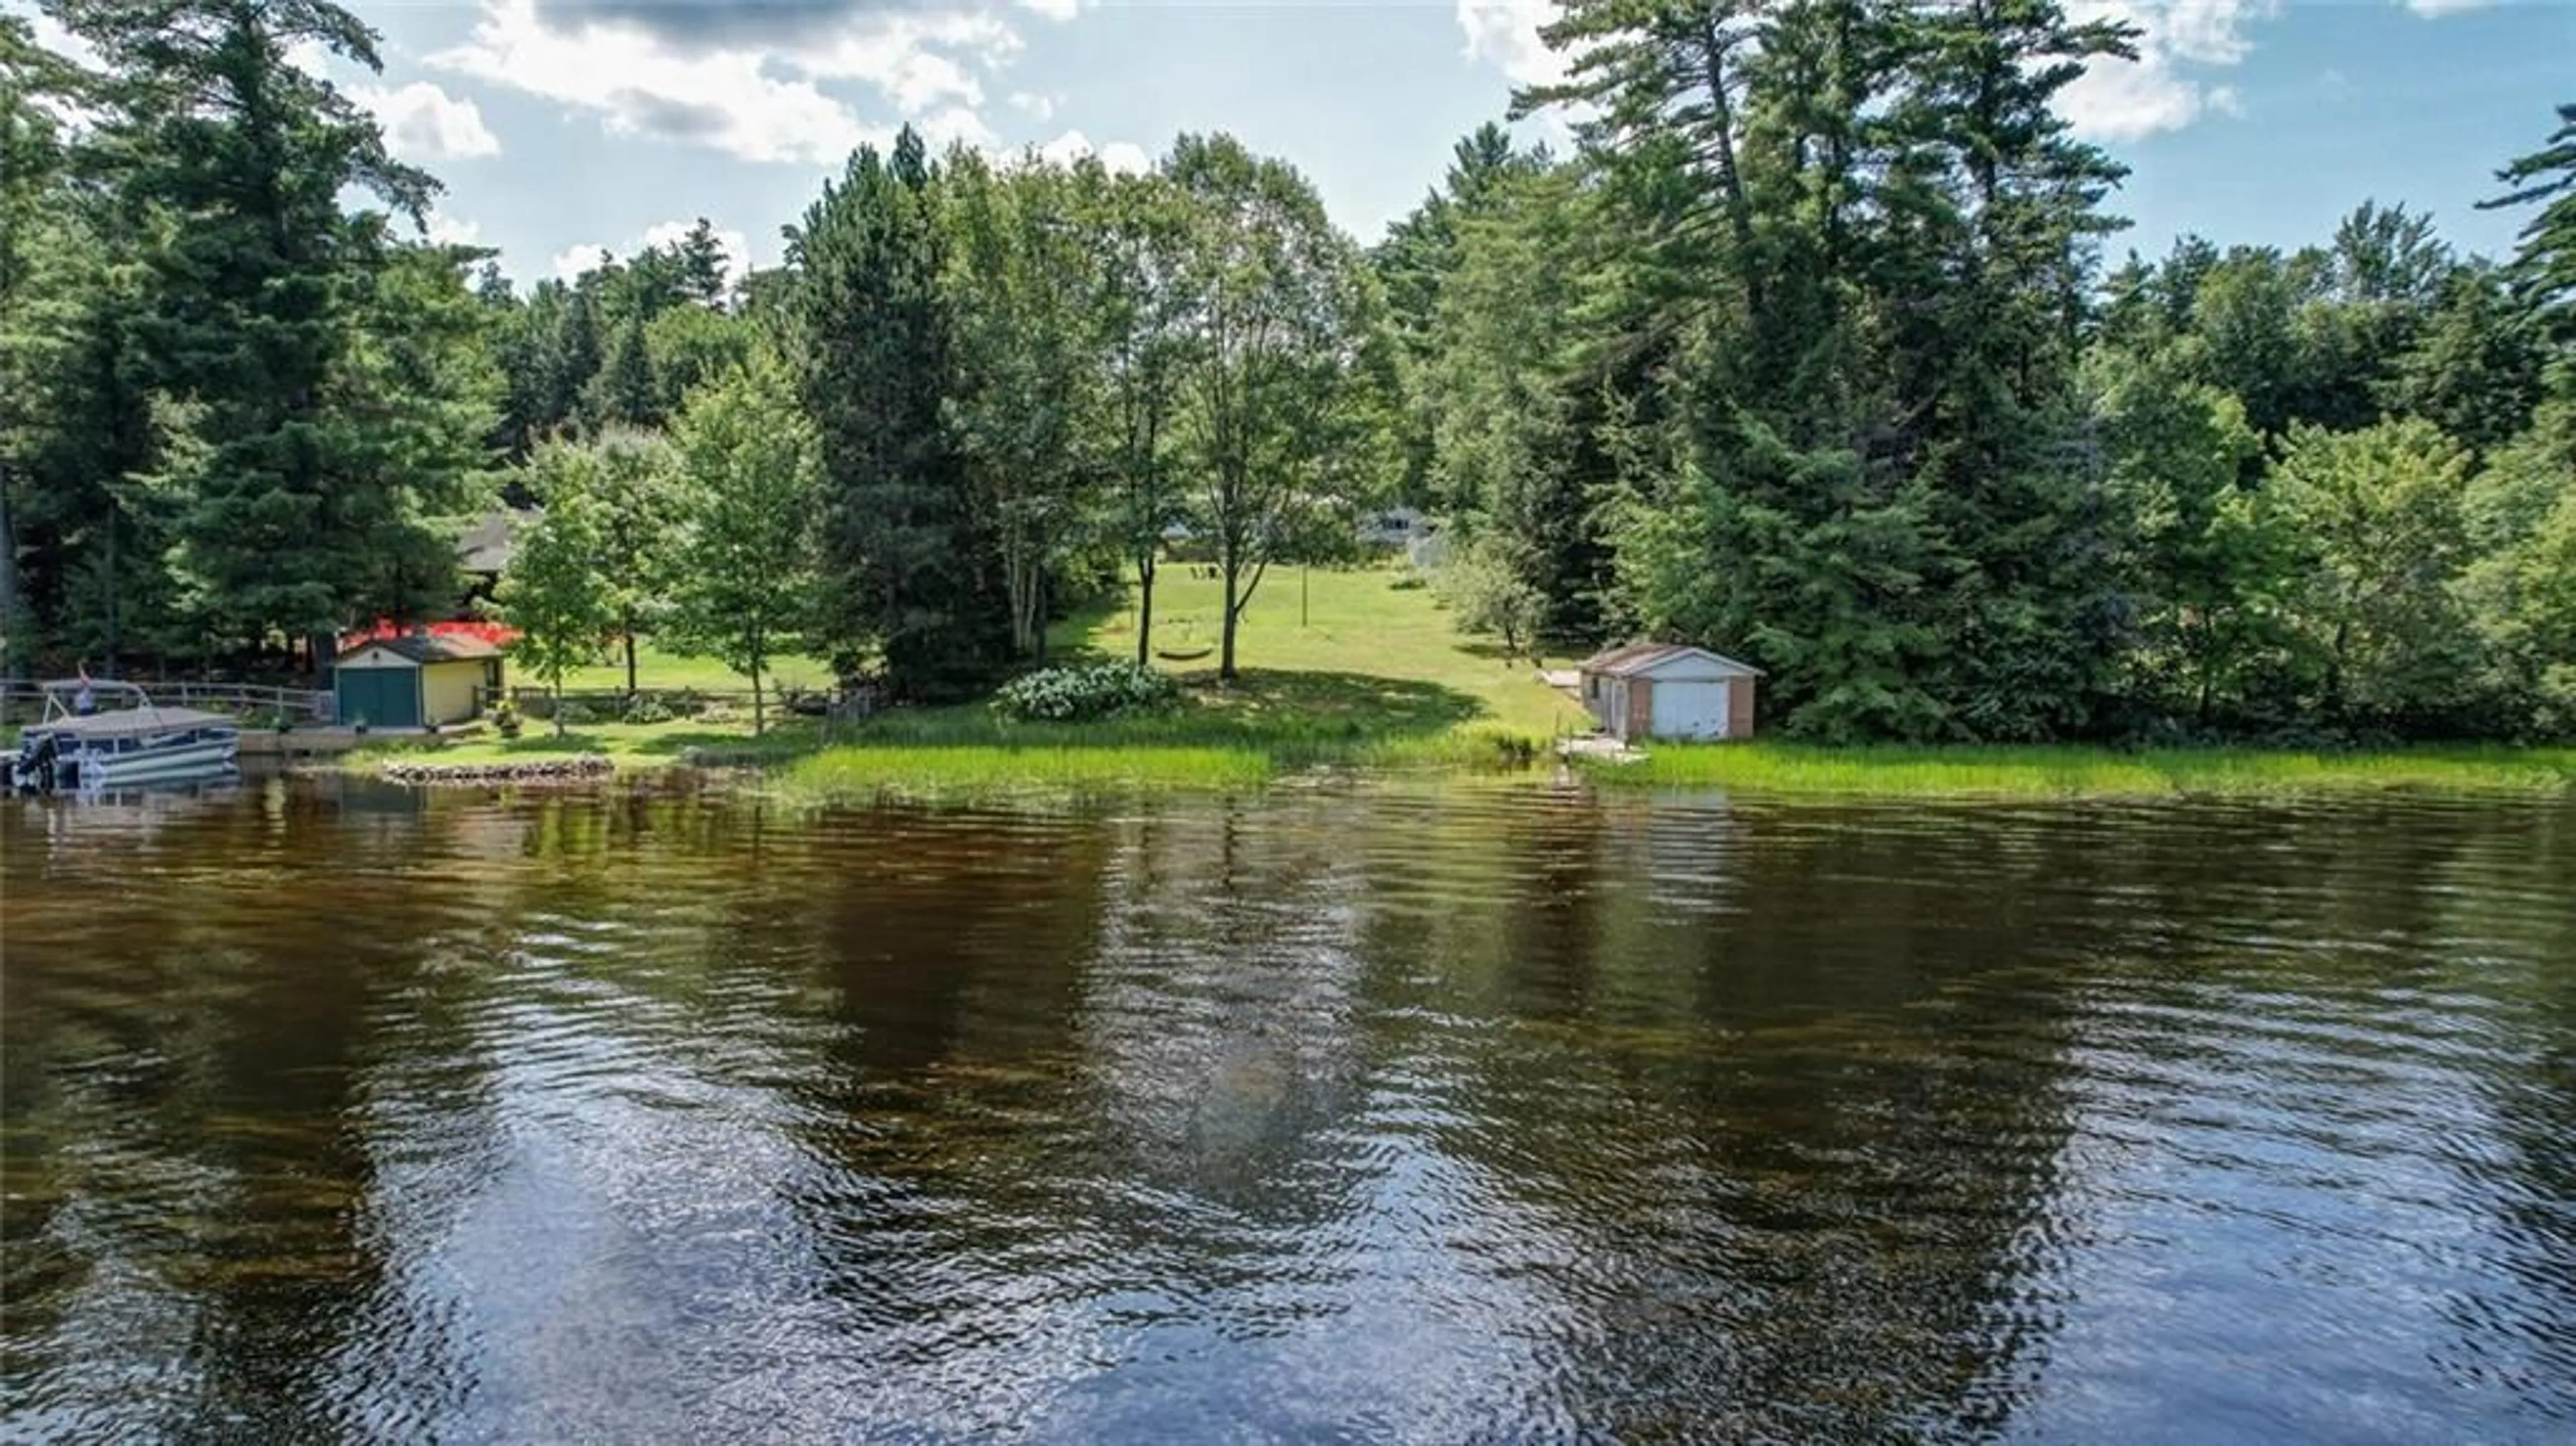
447 690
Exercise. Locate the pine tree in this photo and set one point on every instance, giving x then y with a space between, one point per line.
575 355
702 265
624 393
909 569
2545 266
253 284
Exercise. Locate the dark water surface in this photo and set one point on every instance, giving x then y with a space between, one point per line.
336 1112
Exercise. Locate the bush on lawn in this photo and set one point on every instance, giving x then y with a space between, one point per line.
1081 694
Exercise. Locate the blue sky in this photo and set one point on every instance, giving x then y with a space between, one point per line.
561 126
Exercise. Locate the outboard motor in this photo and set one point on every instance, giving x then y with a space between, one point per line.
35 766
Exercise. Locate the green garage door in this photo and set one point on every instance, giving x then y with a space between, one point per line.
385 697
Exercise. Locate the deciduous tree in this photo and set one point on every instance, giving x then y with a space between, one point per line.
744 585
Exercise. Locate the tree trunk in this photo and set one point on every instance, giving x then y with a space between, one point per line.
1739 212
554 685
1225 655
629 624
113 630
1144 607
13 615
759 706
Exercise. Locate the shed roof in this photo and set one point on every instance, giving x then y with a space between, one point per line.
430 648
1638 658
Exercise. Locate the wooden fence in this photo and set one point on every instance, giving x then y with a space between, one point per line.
606 704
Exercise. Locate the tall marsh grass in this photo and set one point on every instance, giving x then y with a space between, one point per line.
2061 772
967 771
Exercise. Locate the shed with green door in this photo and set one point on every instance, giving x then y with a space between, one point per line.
415 681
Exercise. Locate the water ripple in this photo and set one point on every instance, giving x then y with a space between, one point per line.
1370 1113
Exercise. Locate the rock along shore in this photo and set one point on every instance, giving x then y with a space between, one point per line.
530 770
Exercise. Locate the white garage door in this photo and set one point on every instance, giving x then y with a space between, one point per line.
1690 710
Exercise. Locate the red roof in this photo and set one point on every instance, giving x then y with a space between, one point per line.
497 635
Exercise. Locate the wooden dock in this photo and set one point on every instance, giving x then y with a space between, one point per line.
301 743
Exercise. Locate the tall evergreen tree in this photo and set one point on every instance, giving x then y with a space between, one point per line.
906 561
701 264
253 288
574 359
2545 266
625 392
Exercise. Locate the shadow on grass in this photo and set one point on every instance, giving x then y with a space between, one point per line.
1493 651
1270 701
783 740
1289 717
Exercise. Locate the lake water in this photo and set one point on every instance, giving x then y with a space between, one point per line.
1369 1113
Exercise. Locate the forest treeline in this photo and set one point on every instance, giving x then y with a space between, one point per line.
1808 349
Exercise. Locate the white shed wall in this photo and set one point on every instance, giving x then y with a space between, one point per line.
1690 708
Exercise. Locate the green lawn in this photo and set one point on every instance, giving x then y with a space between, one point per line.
1364 653
657 668
1374 675
1361 649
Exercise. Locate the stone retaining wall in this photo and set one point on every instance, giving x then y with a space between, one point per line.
532 770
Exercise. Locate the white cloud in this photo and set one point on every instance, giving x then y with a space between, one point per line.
2436 9
727 99
1124 157
913 56
2163 89
575 259
425 123
737 246
752 89
1033 105
1054 9
443 229
1505 32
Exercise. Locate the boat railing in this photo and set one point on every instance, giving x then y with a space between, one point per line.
25 701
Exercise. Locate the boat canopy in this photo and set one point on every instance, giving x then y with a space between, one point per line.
130 722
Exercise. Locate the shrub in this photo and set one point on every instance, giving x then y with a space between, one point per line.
1075 695
649 708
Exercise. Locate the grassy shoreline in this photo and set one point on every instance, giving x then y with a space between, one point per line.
1352 670
968 754
2068 772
